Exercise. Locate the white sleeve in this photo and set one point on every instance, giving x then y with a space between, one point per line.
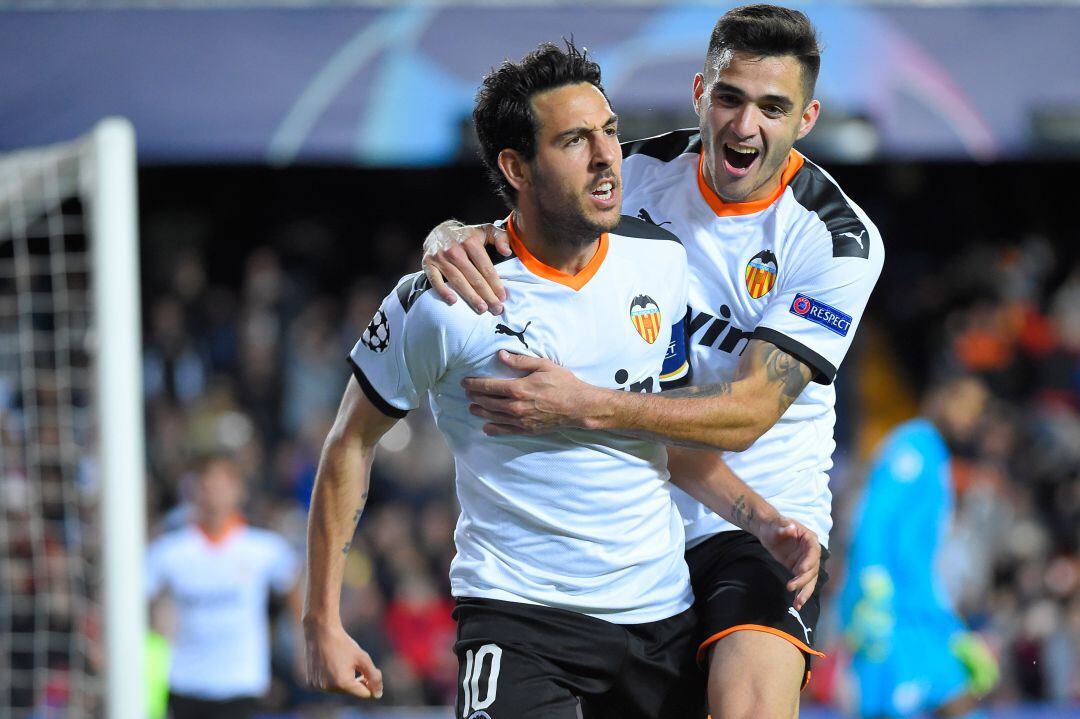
409 344
820 302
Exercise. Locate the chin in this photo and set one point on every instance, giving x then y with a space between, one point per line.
736 191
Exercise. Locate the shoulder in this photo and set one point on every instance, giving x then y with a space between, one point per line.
424 309
655 163
850 231
911 447
645 244
640 229
666 147
268 541
168 543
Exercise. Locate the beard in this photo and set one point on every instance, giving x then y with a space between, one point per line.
564 215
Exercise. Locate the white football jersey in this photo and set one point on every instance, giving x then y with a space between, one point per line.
575 520
796 270
221 589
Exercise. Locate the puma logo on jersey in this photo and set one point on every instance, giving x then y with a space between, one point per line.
798 617
501 329
857 238
643 214
717 329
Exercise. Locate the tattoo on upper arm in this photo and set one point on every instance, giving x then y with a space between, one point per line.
743 515
789 371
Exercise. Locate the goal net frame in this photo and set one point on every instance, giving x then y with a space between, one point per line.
100 170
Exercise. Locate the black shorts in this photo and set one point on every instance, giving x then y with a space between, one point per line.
522 661
739 586
185 707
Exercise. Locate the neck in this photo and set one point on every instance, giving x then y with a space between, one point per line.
215 525
557 247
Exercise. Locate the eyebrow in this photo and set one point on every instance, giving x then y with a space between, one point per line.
781 100
582 130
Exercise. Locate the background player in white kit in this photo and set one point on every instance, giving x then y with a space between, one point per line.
220 574
782 265
569 573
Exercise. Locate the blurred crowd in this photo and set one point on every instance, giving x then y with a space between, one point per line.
258 367
245 350
1011 314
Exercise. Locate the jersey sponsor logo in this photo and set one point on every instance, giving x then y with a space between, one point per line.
645 385
643 214
820 313
501 329
761 274
718 330
377 335
645 314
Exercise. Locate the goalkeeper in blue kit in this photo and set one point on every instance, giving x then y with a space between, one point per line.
911 653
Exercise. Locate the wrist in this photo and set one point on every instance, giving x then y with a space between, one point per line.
597 408
317 621
765 519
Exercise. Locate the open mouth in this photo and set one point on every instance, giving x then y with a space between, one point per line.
604 191
740 158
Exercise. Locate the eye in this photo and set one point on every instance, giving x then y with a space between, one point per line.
575 140
773 111
611 131
727 99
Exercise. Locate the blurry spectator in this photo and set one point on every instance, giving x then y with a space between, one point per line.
422 631
220 574
911 653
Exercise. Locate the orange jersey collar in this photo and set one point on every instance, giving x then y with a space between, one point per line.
235 523
538 268
730 209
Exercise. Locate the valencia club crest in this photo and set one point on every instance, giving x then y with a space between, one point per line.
761 274
645 314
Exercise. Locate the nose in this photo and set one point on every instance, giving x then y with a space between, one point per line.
605 150
744 124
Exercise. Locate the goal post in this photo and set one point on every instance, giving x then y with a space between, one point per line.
72 485
118 373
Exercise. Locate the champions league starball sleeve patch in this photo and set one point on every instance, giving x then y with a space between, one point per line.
822 314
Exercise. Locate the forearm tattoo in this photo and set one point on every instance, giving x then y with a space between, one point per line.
742 514
355 521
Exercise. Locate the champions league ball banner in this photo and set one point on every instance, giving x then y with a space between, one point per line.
393 85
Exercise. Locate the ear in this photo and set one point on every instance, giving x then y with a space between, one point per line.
514 168
699 92
809 119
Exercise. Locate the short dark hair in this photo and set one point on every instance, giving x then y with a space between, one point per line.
503 115
768 31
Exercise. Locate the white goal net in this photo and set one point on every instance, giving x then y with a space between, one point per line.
71 447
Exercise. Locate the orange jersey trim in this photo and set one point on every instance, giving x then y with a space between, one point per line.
729 209
234 524
538 268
